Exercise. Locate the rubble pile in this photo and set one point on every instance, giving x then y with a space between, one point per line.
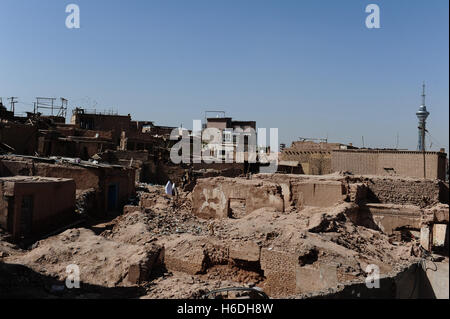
284 247
84 201
101 262
6 248
157 215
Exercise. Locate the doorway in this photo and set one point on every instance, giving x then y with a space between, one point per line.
113 194
26 217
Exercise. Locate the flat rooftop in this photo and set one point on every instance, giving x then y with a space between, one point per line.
33 179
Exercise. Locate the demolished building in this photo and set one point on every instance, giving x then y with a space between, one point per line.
291 235
318 206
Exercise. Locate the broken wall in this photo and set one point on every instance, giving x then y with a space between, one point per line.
403 191
212 196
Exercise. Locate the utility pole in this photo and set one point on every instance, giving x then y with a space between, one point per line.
397 141
12 102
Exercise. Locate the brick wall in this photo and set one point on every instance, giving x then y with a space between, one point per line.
319 162
85 178
402 163
53 203
23 138
403 191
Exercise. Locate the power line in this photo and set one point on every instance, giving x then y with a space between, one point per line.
434 140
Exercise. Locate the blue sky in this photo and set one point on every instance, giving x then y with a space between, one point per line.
309 67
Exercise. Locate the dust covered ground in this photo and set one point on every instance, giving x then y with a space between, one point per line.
161 250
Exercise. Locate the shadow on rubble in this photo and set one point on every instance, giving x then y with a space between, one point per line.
18 281
364 217
411 283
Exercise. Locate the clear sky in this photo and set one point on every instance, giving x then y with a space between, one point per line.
309 67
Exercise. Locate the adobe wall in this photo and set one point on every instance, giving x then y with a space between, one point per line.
113 156
284 271
54 146
114 123
388 217
410 191
327 190
211 196
286 275
319 160
225 169
304 190
5 204
160 172
53 204
403 284
10 167
85 178
401 163
317 193
313 146
23 138
194 254
73 130
123 179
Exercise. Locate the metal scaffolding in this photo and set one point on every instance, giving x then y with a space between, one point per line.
48 103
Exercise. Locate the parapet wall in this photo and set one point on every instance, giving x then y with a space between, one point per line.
384 162
403 191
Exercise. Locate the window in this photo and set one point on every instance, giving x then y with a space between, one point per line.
227 137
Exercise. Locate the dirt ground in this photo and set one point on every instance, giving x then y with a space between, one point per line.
106 253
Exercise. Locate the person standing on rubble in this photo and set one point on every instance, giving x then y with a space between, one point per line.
185 178
174 190
169 188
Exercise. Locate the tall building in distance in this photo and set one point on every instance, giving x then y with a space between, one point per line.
422 115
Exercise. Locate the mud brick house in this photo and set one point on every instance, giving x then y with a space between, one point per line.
314 158
21 138
155 130
70 141
138 141
113 185
32 206
97 121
